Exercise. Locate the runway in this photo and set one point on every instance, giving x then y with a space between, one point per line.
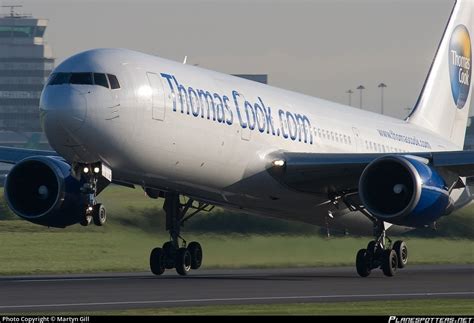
68 293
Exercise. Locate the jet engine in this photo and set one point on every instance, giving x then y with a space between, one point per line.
404 190
43 191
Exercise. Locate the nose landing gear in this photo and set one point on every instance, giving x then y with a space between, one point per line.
93 184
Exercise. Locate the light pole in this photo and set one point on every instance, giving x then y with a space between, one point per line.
350 92
381 87
361 88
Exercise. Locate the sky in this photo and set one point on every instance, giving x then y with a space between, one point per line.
321 48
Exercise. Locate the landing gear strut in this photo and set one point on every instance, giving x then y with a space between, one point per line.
176 253
381 253
94 212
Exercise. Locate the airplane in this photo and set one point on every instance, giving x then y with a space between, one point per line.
198 138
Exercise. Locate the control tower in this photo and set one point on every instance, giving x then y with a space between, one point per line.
25 64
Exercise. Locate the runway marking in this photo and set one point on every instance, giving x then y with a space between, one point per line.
52 280
233 299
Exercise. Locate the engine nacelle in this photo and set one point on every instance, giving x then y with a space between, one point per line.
41 190
403 190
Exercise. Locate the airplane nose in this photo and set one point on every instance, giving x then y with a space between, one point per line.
62 106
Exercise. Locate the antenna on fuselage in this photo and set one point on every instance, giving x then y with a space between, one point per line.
185 59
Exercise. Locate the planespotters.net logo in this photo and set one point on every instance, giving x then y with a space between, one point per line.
430 319
460 62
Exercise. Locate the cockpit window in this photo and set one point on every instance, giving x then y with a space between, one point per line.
101 79
60 78
114 83
81 78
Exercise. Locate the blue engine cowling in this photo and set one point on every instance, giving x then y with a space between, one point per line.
404 190
41 190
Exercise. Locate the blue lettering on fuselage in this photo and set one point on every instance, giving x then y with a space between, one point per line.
254 115
236 97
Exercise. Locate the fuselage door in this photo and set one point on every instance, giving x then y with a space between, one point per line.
357 139
158 97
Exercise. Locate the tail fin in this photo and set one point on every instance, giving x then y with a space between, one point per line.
444 103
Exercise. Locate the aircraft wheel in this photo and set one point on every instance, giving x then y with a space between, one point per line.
100 215
87 220
371 247
183 261
169 254
195 251
362 265
401 249
389 262
156 261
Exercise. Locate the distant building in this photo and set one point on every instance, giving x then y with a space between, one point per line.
25 63
261 78
30 140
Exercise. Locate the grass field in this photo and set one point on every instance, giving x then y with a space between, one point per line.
125 242
405 307
25 250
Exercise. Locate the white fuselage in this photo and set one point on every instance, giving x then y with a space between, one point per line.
208 135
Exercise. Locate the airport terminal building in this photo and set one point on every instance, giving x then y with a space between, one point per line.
25 63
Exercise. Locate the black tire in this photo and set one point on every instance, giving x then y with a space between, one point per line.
87 220
389 262
169 254
401 249
99 215
362 265
195 251
371 247
183 261
156 261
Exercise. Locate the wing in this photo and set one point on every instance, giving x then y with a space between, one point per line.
328 173
11 155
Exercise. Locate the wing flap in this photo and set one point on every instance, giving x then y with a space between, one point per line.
459 162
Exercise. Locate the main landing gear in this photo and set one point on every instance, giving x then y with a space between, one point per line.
176 253
381 253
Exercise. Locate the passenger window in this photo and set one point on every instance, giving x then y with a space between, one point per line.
114 83
60 78
81 78
101 79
